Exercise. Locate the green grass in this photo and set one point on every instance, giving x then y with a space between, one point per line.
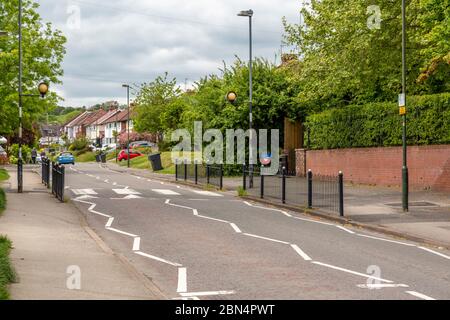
2 200
7 275
85 157
4 175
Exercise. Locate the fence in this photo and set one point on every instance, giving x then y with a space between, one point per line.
313 191
58 173
205 174
46 172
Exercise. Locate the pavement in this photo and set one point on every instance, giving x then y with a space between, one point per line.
53 245
375 207
204 244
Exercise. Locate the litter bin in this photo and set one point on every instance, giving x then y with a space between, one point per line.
97 158
103 157
155 160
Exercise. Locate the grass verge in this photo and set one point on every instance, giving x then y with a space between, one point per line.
142 162
7 274
4 174
85 157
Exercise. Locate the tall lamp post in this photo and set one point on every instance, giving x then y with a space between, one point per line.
402 104
249 14
128 123
43 89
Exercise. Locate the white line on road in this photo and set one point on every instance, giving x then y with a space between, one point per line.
352 272
300 252
382 285
109 223
125 191
136 243
265 208
182 280
207 293
419 295
207 193
83 191
122 232
166 192
235 227
205 217
264 238
345 229
158 259
382 239
177 205
437 253
315 221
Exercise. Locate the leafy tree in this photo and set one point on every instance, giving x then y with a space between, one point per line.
43 52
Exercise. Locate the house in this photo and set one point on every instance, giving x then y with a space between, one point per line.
101 127
90 124
70 126
50 134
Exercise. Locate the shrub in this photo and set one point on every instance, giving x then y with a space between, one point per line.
379 124
79 144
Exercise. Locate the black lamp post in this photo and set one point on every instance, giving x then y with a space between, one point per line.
405 182
128 122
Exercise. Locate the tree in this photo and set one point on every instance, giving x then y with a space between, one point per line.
43 52
345 60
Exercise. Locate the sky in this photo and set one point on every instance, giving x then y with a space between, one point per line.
111 42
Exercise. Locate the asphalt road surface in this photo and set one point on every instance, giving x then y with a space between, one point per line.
199 244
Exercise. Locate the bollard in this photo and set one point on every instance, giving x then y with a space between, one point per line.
341 194
310 189
196 172
207 174
283 186
244 181
261 187
63 173
176 171
221 176
185 170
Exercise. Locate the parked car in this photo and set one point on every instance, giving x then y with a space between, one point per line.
38 158
123 154
3 140
65 158
137 144
2 152
111 146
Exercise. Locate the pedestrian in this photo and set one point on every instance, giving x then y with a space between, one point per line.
33 155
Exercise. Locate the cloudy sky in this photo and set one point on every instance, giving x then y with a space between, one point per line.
111 42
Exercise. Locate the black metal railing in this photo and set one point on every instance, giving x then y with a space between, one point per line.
204 174
46 172
58 173
313 191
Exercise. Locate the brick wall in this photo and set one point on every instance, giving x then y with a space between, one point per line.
429 166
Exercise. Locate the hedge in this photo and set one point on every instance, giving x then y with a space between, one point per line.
379 124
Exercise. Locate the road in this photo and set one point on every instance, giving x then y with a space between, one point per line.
199 244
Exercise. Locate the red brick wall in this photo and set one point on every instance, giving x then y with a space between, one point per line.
429 166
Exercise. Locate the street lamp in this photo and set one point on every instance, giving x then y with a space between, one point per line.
128 123
249 14
402 105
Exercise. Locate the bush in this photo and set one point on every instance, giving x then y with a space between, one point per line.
379 124
79 144
14 153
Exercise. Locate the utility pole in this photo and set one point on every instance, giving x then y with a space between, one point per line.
19 160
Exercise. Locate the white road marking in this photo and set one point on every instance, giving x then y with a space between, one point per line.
182 280
352 272
199 199
158 259
162 183
195 212
300 252
122 232
235 227
130 196
264 238
125 191
106 180
84 191
382 285
177 205
345 229
205 217
315 221
109 223
207 293
178 187
382 239
66 187
419 295
435 252
136 243
114 183
207 193
166 192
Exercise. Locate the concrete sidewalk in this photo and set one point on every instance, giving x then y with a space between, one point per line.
428 219
48 237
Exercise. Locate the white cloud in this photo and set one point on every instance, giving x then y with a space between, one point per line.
136 40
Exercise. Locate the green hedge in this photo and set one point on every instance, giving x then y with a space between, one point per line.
379 124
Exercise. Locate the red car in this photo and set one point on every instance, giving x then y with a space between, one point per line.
123 154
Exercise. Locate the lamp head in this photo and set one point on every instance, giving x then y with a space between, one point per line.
231 97
246 13
43 89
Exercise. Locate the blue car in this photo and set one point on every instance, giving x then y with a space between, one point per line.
65 158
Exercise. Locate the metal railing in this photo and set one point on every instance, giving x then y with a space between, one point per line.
58 173
313 191
205 174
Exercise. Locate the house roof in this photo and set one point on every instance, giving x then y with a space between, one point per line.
72 122
94 117
108 117
81 119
